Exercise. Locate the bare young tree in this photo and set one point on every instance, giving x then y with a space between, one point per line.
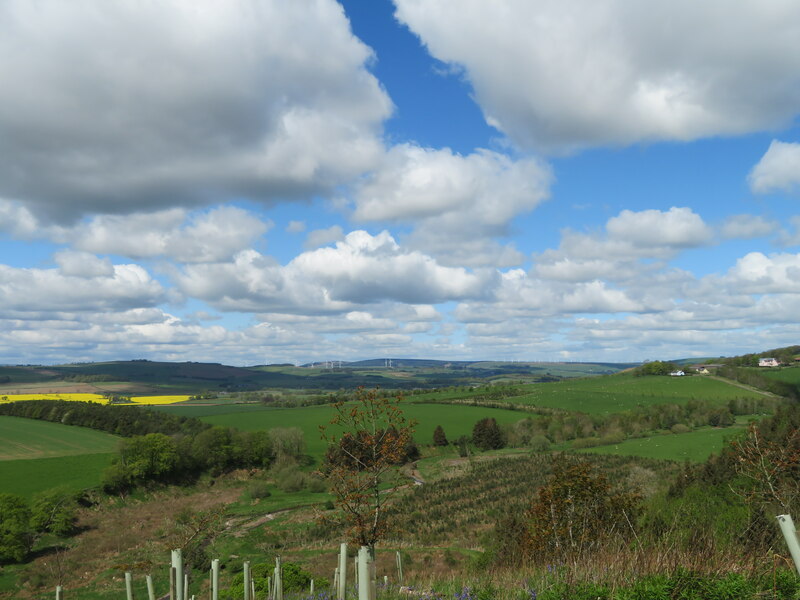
369 440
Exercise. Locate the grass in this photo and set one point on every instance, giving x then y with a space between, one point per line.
29 439
617 393
695 446
28 477
456 421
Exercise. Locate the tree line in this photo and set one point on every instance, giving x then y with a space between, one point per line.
124 421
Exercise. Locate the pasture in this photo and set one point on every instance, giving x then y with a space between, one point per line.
75 473
22 439
456 421
695 446
617 393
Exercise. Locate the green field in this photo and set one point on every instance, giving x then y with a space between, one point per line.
696 446
30 439
27 477
456 420
617 393
785 374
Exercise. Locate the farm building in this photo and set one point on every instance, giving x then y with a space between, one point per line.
768 362
677 374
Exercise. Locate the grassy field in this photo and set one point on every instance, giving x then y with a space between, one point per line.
695 446
22 439
785 374
456 421
28 477
617 393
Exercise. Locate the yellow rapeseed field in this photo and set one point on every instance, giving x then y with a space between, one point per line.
158 399
99 399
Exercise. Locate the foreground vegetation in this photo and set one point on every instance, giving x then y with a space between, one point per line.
238 478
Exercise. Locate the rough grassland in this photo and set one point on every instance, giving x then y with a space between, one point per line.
456 420
617 393
29 439
696 446
28 477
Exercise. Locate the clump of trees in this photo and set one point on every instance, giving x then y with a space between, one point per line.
439 437
125 421
178 459
655 367
22 522
575 513
486 435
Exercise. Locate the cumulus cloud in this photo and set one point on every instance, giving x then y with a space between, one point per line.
296 227
87 287
129 106
458 204
629 239
747 227
567 74
360 269
323 237
778 170
176 233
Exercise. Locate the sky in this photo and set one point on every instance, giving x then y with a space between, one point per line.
262 181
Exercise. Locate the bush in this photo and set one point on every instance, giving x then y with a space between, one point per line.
258 490
680 428
291 482
539 443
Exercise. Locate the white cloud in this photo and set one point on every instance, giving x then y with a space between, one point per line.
296 227
72 287
360 269
676 228
458 204
83 264
778 170
757 273
630 239
566 74
128 105
199 236
323 237
747 227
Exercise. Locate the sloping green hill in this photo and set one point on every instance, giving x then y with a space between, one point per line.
24 439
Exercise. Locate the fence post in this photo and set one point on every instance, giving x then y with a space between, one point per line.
399 567
129 585
278 579
340 590
151 592
246 576
790 535
185 584
311 591
177 564
59 593
215 579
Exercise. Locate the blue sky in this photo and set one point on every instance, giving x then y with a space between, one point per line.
260 181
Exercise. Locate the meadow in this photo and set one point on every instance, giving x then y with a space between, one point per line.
28 439
695 446
74 473
624 391
455 421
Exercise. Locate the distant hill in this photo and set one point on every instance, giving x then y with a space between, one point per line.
195 377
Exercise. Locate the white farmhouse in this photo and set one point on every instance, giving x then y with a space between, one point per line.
768 362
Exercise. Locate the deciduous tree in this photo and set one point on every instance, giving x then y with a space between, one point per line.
369 439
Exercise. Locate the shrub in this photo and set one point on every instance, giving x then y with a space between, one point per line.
680 428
